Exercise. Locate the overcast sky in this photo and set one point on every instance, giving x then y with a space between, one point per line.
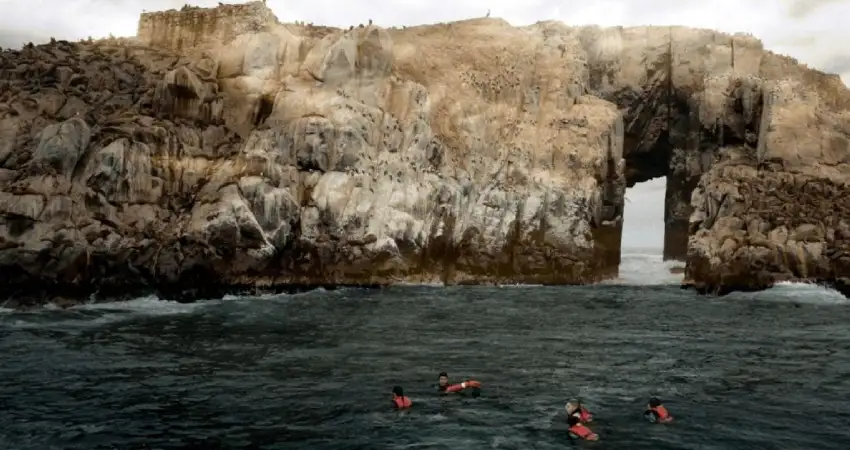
813 31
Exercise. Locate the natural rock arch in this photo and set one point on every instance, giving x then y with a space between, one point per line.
680 72
718 116
194 159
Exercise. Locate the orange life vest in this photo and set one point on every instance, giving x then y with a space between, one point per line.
462 386
402 402
663 415
582 431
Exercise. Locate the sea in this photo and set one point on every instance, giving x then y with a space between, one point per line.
765 370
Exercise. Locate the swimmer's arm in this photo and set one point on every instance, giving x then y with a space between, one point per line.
462 386
456 387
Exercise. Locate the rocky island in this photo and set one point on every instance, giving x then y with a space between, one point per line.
220 150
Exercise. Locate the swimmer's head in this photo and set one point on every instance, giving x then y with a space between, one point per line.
572 405
398 391
444 378
654 402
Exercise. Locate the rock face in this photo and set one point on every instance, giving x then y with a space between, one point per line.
223 150
778 209
192 26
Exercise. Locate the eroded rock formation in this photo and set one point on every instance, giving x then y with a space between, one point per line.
196 159
778 207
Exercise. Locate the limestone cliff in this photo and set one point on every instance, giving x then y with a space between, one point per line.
224 150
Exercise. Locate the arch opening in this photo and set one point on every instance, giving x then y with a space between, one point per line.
665 145
643 218
658 144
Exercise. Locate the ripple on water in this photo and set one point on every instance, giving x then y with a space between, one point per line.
313 371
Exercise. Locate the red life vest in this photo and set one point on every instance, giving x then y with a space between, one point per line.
582 431
585 415
464 385
402 402
663 415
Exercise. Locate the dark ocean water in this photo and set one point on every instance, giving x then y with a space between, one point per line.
314 371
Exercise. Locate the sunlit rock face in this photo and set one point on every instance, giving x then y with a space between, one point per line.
223 150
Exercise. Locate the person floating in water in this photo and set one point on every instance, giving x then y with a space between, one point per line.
399 400
656 412
446 388
576 409
579 431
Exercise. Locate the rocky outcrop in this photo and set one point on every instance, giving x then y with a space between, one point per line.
197 159
778 208
755 148
296 159
192 27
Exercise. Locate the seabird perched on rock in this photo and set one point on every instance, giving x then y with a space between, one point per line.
488 13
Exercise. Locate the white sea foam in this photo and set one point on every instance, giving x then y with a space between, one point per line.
638 267
150 305
797 293
646 267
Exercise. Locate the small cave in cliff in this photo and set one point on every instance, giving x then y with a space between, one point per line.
264 109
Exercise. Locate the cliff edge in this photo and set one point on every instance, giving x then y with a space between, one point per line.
222 150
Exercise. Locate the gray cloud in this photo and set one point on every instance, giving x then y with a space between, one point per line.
643 218
838 64
15 39
802 8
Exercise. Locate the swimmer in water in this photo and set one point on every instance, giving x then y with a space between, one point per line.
576 409
656 412
399 400
445 388
579 431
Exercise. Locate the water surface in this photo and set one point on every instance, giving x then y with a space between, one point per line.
314 371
